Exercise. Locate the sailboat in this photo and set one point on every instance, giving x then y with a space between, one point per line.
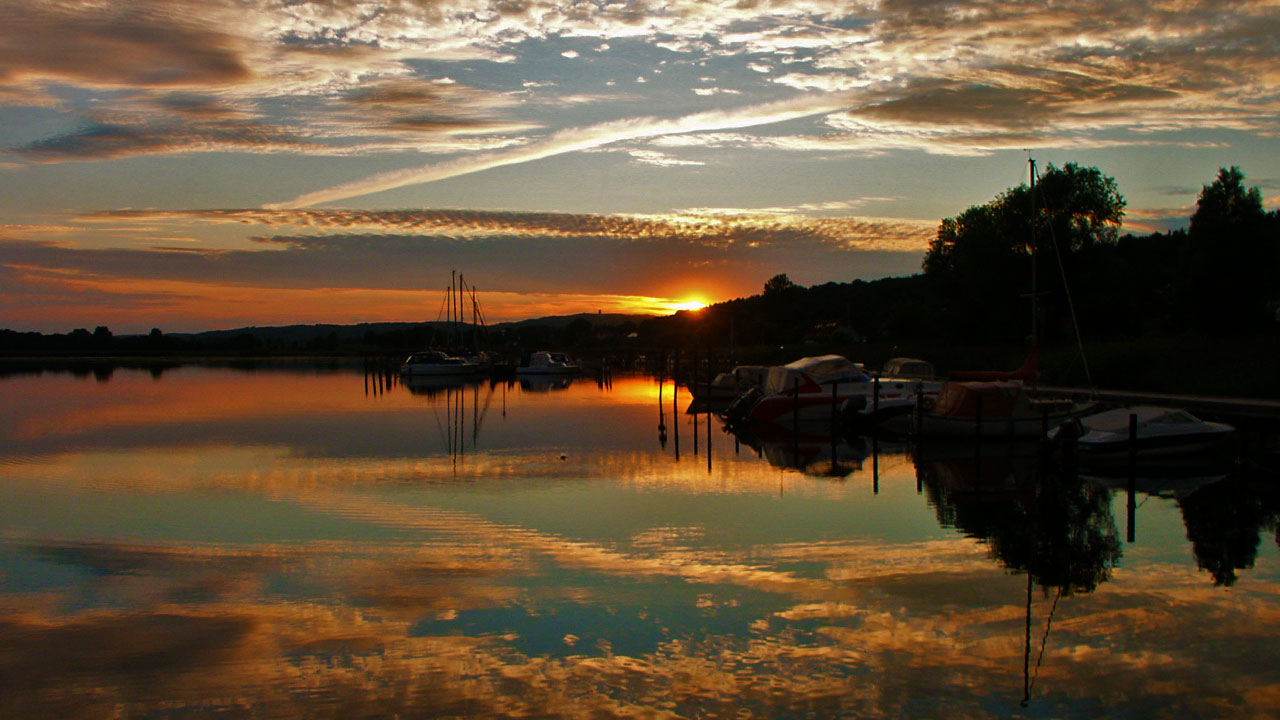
992 403
454 360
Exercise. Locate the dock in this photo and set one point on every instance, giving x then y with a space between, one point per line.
1255 409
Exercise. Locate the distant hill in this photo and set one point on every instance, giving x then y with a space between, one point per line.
354 333
562 321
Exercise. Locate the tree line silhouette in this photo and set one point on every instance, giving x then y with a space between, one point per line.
1143 298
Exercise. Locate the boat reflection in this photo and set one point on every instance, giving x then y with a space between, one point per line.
545 383
830 455
432 385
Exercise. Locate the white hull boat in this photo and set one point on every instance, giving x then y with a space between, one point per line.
433 363
1155 433
548 363
820 389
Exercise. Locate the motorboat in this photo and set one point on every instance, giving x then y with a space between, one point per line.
1144 431
729 385
818 389
902 382
436 362
989 410
545 362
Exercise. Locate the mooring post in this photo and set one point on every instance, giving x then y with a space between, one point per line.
795 406
1132 534
834 407
977 420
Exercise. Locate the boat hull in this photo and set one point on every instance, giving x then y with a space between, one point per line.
434 370
783 407
1152 448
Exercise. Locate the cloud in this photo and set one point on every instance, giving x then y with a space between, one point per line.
575 139
531 263
102 141
782 227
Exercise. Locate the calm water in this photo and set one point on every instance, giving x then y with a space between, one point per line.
300 543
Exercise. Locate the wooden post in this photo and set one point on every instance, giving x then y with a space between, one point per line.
919 414
1132 533
834 407
977 424
795 406
675 404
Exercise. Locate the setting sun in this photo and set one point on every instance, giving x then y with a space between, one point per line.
690 304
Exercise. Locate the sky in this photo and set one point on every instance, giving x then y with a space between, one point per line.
223 163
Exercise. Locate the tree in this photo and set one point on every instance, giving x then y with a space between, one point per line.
981 259
1225 204
778 284
1229 265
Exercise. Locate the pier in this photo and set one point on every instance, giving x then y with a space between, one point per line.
1255 409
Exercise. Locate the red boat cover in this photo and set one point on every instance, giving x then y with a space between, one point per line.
961 399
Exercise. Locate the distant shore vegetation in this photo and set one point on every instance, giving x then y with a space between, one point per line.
1194 310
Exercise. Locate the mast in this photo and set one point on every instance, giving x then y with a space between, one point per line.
1035 337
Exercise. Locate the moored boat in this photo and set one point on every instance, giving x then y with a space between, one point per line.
818 389
978 409
435 362
729 385
546 362
1145 432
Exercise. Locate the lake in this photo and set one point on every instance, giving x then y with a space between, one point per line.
308 542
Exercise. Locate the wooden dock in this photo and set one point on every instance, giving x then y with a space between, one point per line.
1219 407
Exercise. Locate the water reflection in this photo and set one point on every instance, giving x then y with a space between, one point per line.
286 544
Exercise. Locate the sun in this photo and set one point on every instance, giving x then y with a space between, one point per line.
689 304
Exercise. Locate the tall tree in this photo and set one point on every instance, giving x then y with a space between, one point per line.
1229 267
982 257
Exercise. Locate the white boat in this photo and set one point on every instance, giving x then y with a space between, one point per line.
813 388
729 385
988 410
435 362
1158 432
901 381
545 362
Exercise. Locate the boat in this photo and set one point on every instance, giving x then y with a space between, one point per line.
435 362
546 362
999 409
819 389
901 383
729 385
1144 432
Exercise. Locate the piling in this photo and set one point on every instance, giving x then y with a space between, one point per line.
1133 478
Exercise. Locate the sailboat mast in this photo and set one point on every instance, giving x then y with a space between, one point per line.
1035 336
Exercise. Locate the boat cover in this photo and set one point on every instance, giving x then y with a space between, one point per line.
822 369
999 399
908 367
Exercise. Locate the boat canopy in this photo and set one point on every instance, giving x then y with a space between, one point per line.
999 399
819 370
908 367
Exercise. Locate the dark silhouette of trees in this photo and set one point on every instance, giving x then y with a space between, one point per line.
777 285
1229 267
979 264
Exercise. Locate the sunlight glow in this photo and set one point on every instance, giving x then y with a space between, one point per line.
690 304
